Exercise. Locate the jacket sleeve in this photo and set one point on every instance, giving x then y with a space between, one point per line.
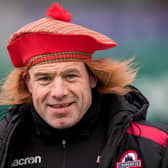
152 140
164 162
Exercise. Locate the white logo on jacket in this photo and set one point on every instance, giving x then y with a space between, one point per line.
26 161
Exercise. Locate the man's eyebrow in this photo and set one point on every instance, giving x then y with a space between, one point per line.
71 70
41 74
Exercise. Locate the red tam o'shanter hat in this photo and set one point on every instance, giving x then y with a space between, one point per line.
55 39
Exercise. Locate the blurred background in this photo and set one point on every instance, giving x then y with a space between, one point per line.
139 27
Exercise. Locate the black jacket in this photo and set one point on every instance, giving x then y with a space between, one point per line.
114 127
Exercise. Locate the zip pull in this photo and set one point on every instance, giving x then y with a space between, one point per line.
64 153
64 144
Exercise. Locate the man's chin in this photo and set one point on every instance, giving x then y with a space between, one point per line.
62 125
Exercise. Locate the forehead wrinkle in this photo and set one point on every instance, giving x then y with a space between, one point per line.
55 70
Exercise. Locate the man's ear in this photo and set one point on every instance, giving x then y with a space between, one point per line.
93 81
26 78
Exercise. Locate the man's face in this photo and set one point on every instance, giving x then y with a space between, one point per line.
61 92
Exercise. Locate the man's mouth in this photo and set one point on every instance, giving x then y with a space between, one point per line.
60 105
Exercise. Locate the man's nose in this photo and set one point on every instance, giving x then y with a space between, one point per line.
59 88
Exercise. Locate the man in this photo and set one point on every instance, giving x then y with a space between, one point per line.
72 111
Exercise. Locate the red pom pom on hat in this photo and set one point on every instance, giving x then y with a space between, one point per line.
58 12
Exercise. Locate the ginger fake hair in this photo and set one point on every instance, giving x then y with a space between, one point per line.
112 77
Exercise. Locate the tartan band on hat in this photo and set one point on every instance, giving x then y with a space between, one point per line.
58 57
54 39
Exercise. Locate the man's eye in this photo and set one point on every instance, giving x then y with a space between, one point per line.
71 76
44 79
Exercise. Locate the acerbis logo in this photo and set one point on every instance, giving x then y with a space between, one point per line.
129 160
26 161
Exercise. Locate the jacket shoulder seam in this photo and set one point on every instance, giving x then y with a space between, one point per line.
149 132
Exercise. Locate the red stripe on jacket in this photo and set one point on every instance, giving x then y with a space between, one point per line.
148 132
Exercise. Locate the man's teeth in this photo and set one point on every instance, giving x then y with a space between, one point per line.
61 105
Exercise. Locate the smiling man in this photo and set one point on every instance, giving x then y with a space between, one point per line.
69 110
61 92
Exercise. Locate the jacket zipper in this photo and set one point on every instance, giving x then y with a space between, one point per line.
64 153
